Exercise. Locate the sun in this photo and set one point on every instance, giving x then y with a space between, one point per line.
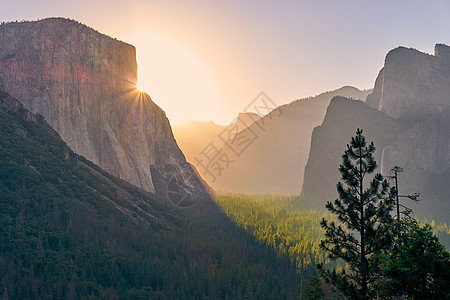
139 87
176 77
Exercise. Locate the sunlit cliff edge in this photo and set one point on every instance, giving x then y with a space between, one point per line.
84 84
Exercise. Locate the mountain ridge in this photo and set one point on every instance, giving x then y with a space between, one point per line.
83 83
329 141
412 84
411 97
278 147
70 230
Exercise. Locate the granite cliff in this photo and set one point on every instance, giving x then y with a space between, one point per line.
423 151
83 83
413 85
329 141
420 148
408 117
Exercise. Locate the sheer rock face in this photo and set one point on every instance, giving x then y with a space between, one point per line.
329 140
413 85
415 88
421 148
423 151
408 117
83 83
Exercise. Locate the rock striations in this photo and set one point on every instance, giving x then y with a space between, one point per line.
408 118
412 84
329 141
83 83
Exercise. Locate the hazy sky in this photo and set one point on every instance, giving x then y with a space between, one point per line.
207 60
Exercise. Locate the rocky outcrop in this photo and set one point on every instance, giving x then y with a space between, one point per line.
409 121
420 148
426 144
83 83
329 141
423 151
413 85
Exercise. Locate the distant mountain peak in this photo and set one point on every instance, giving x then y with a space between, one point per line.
412 84
247 118
442 51
275 158
407 116
348 87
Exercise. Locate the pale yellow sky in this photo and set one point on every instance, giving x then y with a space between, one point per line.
184 77
207 60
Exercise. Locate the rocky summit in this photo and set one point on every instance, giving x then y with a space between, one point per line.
412 84
408 118
84 84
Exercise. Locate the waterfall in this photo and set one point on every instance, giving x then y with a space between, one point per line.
382 162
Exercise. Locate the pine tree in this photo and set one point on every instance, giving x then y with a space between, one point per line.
420 267
365 228
313 289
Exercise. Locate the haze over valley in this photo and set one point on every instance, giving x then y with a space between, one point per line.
224 151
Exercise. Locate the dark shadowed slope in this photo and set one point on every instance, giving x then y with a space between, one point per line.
69 230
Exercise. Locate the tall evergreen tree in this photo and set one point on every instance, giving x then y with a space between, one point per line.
365 227
313 289
419 267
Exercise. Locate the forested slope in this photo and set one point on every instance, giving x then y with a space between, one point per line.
70 230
